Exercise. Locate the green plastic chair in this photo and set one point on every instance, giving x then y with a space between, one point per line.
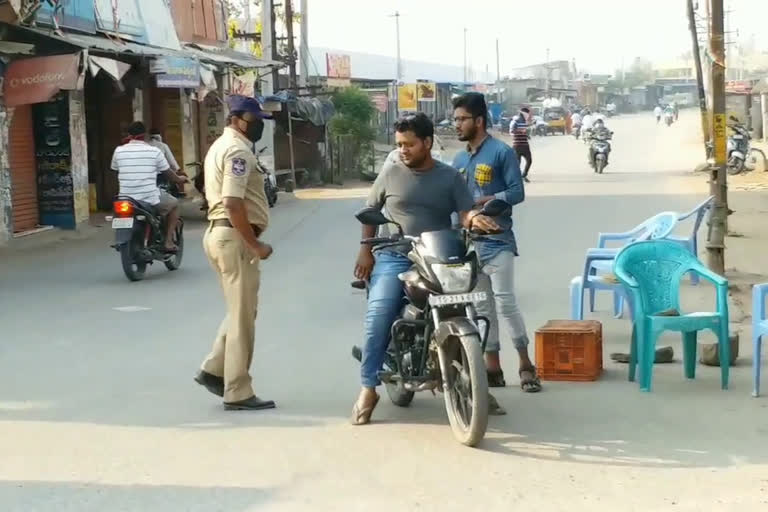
652 271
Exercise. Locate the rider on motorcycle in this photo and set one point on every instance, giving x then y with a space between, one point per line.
138 165
420 194
598 130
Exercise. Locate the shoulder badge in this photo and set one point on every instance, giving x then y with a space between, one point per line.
238 166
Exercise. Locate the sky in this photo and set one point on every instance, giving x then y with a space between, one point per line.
599 34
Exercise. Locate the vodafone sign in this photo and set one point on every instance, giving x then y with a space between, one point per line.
36 80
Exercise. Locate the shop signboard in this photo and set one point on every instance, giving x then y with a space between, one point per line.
179 73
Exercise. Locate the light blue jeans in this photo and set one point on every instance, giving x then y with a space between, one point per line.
385 300
497 279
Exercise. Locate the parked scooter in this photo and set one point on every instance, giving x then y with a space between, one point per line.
741 156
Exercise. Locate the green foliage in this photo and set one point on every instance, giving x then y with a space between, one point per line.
351 125
354 113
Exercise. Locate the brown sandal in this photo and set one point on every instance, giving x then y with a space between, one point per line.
363 416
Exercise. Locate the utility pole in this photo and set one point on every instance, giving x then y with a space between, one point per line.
465 55
718 179
699 77
498 75
268 81
549 73
293 82
397 34
304 46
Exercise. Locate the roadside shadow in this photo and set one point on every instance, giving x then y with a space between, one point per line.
679 425
34 496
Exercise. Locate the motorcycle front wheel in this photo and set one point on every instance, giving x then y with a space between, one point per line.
599 166
465 384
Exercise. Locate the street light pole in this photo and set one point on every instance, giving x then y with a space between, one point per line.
465 55
699 76
397 32
718 179
498 75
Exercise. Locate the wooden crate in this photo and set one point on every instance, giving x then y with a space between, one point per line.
570 350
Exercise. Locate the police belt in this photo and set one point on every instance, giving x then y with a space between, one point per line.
225 223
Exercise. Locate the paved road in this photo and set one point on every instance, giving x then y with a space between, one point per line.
98 411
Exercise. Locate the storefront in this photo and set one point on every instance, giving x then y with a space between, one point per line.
46 181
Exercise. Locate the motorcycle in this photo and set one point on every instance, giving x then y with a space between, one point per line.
436 342
140 237
576 131
669 118
600 148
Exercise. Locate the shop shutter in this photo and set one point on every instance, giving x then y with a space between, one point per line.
23 170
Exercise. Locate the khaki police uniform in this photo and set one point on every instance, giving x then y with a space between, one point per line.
231 171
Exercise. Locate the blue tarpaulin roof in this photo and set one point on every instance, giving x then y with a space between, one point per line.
315 110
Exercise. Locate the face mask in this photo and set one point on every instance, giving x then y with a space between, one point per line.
254 130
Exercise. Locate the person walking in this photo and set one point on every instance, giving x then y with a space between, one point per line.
239 215
520 140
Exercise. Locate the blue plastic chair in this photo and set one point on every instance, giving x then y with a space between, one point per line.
759 329
659 226
652 272
589 280
692 242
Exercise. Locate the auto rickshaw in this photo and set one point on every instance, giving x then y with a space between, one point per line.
555 119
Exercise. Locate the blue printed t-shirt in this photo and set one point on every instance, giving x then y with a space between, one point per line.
493 170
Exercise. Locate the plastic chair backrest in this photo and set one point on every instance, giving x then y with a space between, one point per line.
699 211
657 227
654 270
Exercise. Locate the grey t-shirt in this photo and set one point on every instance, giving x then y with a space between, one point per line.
419 201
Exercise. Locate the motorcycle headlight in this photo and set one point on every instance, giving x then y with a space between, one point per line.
453 278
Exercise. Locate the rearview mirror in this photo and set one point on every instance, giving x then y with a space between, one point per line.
734 119
371 217
496 208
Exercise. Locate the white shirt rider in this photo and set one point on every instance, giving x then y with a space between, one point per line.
587 122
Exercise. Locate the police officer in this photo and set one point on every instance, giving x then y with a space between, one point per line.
238 214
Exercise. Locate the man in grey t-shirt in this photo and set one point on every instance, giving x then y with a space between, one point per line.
420 194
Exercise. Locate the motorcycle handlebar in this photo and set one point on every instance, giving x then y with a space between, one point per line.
371 241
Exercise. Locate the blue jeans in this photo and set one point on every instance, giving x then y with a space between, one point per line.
385 300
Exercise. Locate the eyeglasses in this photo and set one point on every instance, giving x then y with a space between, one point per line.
461 119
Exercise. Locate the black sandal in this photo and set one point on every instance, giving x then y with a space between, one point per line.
496 379
530 384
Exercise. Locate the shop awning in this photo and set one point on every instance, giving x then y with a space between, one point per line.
113 68
11 48
228 57
38 79
107 44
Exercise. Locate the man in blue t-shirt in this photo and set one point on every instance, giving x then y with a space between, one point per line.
492 171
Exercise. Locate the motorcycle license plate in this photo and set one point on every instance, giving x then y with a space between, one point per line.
459 298
122 223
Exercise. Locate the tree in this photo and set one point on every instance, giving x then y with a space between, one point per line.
351 126
640 73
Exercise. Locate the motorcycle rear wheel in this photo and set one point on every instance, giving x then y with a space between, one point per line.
466 388
129 252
